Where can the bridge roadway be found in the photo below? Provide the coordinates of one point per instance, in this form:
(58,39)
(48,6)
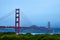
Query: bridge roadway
(25,27)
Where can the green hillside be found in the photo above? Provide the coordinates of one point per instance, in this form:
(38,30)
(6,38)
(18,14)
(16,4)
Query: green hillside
(28,36)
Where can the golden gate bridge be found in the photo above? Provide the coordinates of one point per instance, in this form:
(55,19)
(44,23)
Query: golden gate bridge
(17,23)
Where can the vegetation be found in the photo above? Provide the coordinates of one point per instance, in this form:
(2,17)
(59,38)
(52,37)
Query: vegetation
(28,36)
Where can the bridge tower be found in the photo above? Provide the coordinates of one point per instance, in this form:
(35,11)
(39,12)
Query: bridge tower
(49,26)
(17,21)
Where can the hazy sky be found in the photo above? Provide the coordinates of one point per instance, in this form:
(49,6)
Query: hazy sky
(34,12)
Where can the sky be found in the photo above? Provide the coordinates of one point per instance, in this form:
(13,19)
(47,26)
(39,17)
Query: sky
(33,12)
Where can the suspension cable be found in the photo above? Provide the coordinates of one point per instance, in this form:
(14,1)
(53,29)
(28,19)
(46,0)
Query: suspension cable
(7,15)
(25,18)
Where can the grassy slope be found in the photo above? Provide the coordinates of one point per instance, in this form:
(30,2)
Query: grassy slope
(28,36)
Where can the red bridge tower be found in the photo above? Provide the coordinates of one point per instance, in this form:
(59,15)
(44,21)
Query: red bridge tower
(17,21)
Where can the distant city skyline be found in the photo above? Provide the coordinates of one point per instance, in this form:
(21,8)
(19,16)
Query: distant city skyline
(37,12)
